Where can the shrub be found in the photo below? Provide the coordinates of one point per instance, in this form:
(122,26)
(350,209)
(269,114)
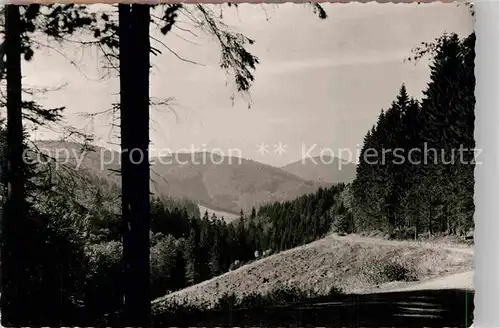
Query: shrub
(104,280)
(393,269)
(396,271)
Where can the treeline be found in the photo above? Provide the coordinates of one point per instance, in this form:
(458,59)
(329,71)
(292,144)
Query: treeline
(303,220)
(416,168)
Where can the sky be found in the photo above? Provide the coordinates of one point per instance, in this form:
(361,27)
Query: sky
(319,87)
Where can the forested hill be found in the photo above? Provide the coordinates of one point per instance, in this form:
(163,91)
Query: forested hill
(431,189)
(416,171)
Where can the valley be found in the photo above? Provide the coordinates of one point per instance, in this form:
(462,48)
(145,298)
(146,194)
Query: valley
(222,185)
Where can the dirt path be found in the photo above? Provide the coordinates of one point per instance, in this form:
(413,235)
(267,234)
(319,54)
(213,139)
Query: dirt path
(455,281)
(463,280)
(409,243)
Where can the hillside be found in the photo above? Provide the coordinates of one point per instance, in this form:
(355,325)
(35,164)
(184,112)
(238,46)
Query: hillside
(225,184)
(323,168)
(353,264)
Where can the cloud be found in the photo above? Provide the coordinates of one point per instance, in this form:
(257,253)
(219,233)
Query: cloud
(319,63)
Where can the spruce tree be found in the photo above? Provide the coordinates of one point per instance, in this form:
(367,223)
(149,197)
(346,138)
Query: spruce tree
(191,259)
(215,258)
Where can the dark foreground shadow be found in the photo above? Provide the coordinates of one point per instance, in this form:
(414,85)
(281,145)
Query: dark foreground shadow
(428,308)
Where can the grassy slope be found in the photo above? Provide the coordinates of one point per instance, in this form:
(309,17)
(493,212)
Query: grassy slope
(354,264)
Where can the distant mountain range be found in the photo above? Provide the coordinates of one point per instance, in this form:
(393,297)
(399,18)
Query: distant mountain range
(221,184)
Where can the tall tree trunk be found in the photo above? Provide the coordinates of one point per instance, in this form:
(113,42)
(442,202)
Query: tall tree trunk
(416,226)
(446,224)
(134,100)
(14,212)
(429,210)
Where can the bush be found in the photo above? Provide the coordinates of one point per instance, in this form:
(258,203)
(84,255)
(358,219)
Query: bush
(167,266)
(396,271)
(393,269)
(104,285)
(226,303)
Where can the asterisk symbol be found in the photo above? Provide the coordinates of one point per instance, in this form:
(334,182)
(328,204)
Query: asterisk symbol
(280,148)
(262,148)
